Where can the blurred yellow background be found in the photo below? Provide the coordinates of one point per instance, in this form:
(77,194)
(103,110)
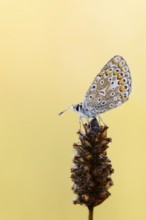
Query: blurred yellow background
(50,51)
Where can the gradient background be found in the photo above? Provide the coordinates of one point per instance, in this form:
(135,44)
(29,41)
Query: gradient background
(49,53)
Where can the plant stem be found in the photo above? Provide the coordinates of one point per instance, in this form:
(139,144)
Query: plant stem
(90,213)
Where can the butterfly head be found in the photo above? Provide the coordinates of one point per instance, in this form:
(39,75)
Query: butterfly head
(78,108)
(83,113)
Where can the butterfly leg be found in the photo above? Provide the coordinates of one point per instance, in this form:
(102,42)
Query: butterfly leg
(81,122)
(100,120)
(88,120)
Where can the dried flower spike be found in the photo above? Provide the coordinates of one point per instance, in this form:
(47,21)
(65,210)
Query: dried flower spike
(92,169)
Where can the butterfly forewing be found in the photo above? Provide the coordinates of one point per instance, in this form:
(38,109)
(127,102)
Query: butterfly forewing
(110,88)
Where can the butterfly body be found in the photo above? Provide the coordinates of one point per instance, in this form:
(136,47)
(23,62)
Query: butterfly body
(84,113)
(110,89)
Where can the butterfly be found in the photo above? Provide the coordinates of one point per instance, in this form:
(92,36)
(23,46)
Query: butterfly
(110,89)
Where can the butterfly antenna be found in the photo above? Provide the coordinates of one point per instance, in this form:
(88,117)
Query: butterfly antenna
(61,113)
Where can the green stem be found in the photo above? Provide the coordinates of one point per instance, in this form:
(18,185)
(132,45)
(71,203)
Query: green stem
(90,213)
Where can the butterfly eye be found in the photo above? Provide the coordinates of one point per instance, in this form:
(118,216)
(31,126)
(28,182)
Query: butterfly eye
(77,108)
(101,82)
(125,68)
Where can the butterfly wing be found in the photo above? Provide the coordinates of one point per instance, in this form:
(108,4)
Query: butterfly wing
(110,88)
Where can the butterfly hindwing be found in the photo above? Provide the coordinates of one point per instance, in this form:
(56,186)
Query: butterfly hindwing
(110,88)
